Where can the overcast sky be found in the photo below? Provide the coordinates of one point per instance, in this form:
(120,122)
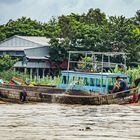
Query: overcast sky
(43,10)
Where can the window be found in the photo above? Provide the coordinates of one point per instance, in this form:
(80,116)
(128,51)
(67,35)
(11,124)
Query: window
(1,53)
(19,53)
(86,81)
(64,80)
(92,81)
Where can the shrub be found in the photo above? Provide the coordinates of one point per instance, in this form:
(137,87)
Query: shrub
(7,75)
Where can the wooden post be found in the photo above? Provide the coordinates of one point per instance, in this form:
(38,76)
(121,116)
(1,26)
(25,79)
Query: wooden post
(124,56)
(108,61)
(43,73)
(37,72)
(102,63)
(25,70)
(101,82)
(31,73)
(92,61)
(68,62)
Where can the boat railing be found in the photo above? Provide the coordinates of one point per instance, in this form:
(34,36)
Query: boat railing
(99,63)
(102,63)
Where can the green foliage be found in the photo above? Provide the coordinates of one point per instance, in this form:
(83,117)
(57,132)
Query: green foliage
(7,75)
(46,81)
(95,17)
(118,69)
(134,73)
(85,64)
(137,18)
(89,31)
(23,26)
(6,63)
(58,50)
(93,31)
(51,29)
(27,27)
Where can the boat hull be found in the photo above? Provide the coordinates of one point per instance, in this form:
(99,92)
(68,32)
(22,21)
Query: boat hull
(55,95)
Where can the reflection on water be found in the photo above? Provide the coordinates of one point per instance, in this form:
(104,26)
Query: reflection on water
(69,122)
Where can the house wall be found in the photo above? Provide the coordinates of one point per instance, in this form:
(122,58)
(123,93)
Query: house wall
(37,52)
(32,65)
(12,53)
(16,46)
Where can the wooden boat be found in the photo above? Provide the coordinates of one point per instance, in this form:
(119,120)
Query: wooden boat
(75,88)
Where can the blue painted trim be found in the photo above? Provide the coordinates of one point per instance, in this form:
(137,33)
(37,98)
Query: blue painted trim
(101,81)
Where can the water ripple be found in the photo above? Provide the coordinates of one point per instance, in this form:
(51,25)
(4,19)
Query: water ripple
(66,122)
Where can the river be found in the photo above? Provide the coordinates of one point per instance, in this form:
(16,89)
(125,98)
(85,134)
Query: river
(44,121)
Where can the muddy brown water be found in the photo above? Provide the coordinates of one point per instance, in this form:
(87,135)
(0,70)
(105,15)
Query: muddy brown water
(44,121)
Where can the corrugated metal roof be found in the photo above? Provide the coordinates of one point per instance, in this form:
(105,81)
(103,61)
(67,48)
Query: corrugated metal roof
(14,48)
(24,42)
(39,40)
(33,57)
(18,48)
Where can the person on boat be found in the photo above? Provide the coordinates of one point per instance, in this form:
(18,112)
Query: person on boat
(23,95)
(120,85)
(135,88)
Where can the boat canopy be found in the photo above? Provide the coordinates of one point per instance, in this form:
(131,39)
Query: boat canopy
(94,82)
